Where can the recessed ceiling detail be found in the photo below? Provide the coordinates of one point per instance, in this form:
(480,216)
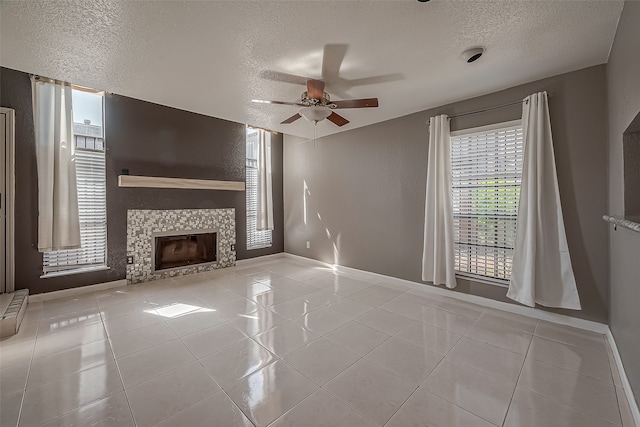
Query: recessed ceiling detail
(213,58)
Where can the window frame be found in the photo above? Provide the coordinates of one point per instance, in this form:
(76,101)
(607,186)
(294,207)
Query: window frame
(86,268)
(253,231)
(479,130)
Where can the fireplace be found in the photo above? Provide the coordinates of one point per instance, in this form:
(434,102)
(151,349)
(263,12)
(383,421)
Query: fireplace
(173,250)
(144,225)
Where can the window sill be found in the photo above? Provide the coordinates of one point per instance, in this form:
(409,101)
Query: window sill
(484,280)
(259,247)
(75,271)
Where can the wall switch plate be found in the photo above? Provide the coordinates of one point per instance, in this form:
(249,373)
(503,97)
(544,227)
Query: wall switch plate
(130,259)
(308,245)
(233,248)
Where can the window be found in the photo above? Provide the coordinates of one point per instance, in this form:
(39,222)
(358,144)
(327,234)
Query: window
(255,238)
(486,173)
(88,132)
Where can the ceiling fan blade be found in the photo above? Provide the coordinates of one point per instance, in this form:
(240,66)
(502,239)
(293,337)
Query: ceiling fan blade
(356,103)
(385,78)
(279,76)
(264,101)
(291,119)
(332,61)
(315,89)
(338,119)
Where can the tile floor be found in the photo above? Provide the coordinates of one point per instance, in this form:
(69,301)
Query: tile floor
(288,344)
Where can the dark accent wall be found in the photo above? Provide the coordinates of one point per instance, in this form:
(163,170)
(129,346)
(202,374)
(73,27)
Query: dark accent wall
(365,188)
(148,139)
(623,84)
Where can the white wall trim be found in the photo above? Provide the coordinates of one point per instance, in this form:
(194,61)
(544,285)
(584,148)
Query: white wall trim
(512,308)
(388,280)
(626,386)
(10,183)
(309,261)
(65,293)
(258,260)
(499,305)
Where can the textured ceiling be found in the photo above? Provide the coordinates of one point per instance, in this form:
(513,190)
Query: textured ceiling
(214,57)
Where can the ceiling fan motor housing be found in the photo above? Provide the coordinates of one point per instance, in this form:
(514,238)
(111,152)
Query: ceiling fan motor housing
(326,100)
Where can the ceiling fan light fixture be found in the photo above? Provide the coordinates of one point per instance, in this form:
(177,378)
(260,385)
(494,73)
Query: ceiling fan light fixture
(315,113)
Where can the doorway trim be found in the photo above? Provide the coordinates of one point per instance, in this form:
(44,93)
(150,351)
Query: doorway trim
(10,197)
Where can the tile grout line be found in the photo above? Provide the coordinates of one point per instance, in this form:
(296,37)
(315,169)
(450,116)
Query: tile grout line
(395,375)
(613,381)
(87,403)
(504,419)
(360,357)
(433,370)
(203,367)
(468,366)
(564,404)
(177,284)
(321,387)
(124,389)
(26,380)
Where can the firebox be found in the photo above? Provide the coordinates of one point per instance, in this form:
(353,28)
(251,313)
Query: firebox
(171,250)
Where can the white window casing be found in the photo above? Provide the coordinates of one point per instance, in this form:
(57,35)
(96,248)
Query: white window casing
(90,163)
(486,174)
(256,239)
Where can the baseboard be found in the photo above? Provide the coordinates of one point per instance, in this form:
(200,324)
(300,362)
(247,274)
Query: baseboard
(66,293)
(635,411)
(499,305)
(258,260)
(310,261)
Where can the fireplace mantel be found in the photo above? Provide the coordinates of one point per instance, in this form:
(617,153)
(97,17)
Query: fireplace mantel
(180,183)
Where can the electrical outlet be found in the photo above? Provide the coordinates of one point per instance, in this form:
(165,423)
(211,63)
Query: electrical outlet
(308,245)
(130,259)
(233,248)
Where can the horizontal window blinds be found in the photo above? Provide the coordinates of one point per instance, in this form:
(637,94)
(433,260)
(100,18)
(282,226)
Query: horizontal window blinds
(92,205)
(486,175)
(255,238)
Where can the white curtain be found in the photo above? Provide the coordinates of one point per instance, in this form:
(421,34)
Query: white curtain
(264,219)
(438,254)
(542,270)
(58,220)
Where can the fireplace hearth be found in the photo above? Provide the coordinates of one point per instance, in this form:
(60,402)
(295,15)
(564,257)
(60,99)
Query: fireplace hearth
(183,250)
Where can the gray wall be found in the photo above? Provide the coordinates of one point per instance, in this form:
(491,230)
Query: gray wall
(365,188)
(623,83)
(148,139)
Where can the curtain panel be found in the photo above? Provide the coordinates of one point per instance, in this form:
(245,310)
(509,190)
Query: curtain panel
(438,253)
(264,217)
(542,272)
(58,219)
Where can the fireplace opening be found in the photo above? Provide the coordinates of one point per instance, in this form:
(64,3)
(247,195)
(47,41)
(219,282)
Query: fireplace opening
(185,250)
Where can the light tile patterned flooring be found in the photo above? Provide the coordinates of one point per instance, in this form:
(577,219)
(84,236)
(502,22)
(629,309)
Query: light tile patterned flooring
(287,344)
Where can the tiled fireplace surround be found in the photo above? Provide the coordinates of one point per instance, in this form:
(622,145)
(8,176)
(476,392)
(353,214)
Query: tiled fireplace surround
(143,223)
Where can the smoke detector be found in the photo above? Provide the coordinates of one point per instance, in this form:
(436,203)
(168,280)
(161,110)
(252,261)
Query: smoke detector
(473,54)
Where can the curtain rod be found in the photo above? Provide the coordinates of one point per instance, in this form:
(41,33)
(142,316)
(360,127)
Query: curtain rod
(62,82)
(491,108)
(264,129)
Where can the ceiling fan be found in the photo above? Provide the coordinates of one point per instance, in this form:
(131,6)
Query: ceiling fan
(317,105)
(315,102)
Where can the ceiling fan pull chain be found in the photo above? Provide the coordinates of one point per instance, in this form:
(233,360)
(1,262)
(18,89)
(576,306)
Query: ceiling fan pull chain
(315,135)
